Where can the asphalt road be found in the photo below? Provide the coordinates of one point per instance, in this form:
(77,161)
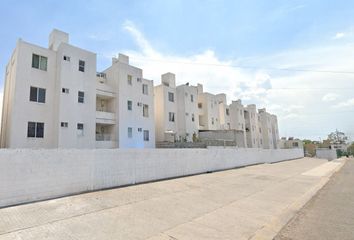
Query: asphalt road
(329,214)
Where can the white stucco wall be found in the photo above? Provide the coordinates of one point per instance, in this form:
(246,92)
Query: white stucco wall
(29,175)
(326,153)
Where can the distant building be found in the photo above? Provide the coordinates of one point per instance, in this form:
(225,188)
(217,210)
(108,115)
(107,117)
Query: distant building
(166,109)
(187,112)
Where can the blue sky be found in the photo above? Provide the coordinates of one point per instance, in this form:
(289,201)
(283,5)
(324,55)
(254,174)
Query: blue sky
(160,35)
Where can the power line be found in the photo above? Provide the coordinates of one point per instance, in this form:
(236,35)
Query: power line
(245,66)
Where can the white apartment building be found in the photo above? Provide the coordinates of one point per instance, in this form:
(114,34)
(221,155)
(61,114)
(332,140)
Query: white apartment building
(187,112)
(166,124)
(212,110)
(53,99)
(253,127)
(236,114)
(125,119)
(49,96)
(270,134)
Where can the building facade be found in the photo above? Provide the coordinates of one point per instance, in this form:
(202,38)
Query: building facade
(55,98)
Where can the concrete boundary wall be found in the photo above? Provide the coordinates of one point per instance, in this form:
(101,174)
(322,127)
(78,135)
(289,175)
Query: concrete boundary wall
(30,175)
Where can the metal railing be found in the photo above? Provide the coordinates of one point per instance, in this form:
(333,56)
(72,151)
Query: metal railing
(103,137)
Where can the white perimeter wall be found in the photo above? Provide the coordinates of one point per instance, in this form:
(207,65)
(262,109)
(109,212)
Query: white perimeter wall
(29,175)
(329,154)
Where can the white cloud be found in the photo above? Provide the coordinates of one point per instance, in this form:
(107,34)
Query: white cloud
(339,35)
(330,97)
(289,94)
(345,104)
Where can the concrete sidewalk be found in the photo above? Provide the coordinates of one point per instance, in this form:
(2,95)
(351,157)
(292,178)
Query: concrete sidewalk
(252,202)
(329,214)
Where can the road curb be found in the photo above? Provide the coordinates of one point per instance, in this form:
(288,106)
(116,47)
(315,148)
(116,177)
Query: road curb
(271,229)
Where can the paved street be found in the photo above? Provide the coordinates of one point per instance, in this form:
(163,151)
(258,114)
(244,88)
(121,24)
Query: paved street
(330,214)
(247,203)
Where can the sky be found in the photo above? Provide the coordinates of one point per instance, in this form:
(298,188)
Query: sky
(295,58)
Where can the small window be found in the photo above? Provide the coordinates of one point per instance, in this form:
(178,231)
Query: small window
(212,121)
(80,129)
(130,132)
(81,66)
(81,97)
(67,58)
(171,116)
(145,110)
(37,94)
(260,130)
(130,80)
(35,130)
(146,135)
(140,129)
(130,105)
(145,89)
(171,97)
(192,98)
(200,105)
(138,80)
(64,124)
(39,62)
(187,114)
(65,90)
(227,111)
(192,117)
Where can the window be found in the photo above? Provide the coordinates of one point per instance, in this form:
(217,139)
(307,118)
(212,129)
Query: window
(145,89)
(192,98)
(192,117)
(81,97)
(146,135)
(145,110)
(200,105)
(39,62)
(35,130)
(64,124)
(171,97)
(260,130)
(187,114)
(67,58)
(130,105)
(130,132)
(81,66)
(37,95)
(227,111)
(212,121)
(171,116)
(65,90)
(138,79)
(80,129)
(140,129)
(130,80)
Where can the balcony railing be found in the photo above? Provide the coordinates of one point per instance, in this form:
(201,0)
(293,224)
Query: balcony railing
(103,137)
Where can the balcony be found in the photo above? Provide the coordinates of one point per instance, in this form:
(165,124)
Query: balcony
(105,117)
(103,88)
(105,137)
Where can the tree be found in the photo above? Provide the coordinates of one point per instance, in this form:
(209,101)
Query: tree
(337,137)
(351,149)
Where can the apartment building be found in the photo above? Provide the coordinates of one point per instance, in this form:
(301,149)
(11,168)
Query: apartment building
(212,110)
(49,96)
(253,127)
(166,124)
(236,112)
(269,125)
(124,107)
(54,98)
(187,112)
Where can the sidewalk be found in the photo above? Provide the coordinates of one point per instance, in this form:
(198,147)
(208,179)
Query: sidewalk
(252,202)
(330,214)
